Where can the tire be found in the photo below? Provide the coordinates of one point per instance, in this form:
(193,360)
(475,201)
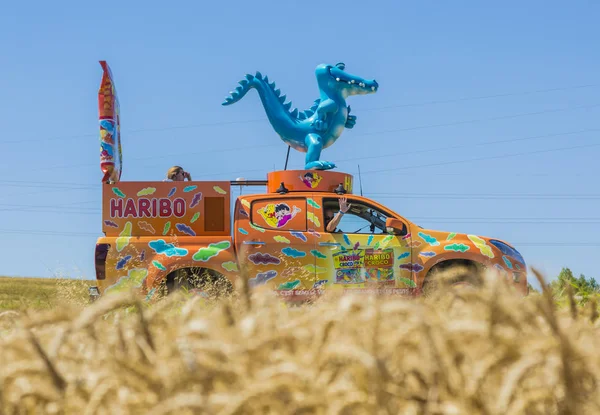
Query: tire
(452,275)
(199,281)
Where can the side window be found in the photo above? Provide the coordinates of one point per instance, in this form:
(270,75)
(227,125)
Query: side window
(284,214)
(361,218)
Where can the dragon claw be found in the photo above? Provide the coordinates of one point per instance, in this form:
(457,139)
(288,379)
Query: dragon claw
(319,125)
(319,165)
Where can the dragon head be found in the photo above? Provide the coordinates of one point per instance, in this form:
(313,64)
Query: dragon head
(336,78)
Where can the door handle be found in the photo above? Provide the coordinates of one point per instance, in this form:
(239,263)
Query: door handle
(253,243)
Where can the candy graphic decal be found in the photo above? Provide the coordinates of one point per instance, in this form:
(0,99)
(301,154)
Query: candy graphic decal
(315,233)
(518,266)
(428,254)
(172,192)
(356,246)
(311,180)
(167,227)
(429,239)
(386,240)
(263,259)
(195,217)
(124,237)
(347,239)
(159,265)
(243,231)
(410,283)
(143,255)
(412,267)
(204,254)
(500,269)
(299,235)
(369,240)
(281,239)
(145,226)
(118,192)
(483,248)
(278,215)
(294,253)
(262,278)
(318,254)
(451,236)
(230,266)
(313,218)
(190,188)
(404,255)
(376,246)
(182,227)
(196,199)
(245,203)
(413,244)
(313,203)
(507,262)
(243,213)
(163,248)
(457,247)
(407,236)
(290,285)
(320,283)
(257,228)
(317,270)
(219,190)
(121,263)
(134,279)
(146,191)
(111,224)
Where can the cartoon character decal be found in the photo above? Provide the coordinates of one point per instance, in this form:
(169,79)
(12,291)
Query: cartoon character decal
(311,180)
(278,215)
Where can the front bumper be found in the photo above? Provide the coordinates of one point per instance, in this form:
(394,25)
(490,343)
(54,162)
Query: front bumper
(94,293)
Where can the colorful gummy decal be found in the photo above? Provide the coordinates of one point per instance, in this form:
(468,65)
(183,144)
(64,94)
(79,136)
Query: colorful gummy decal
(219,190)
(370,240)
(281,239)
(196,199)
(204,254)
(172,192)
(111,224)
(299,235)
(407,282)
(317,270)
(118,192)
(262,278)
(121,263)
(311,179)
(244,213)
(159,265)
(134,279)
(263,259)
(195,217)
(356,246)
(429,239)
(243,231)
(386,240)
(428,254)
(167,227)
(188,189)
(320,283)
(161,247)
(376,246)
(246,203)
(451,236)
(318,254)
(313,218)
(407,236)
(414,244)
(412,267)
(145,226)
(315,233)
(457,247)
(507,262)
(257,228)
(483,248)
(146,191)
(230,266)
(518,266)
(182,227)
(143,255)
(290,285)
(404,255)
(347,239)
(278,215)
(124,237)
(294,253)
(313,203)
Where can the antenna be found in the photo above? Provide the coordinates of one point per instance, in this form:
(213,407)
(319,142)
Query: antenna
(287,158)
(360,180)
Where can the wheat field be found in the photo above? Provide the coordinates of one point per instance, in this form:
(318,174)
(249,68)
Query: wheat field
(483,351)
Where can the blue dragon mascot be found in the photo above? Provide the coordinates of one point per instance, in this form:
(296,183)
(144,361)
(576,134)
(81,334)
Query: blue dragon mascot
(318,127)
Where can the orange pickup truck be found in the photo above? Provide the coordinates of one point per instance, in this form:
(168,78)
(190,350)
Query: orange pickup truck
(162,235)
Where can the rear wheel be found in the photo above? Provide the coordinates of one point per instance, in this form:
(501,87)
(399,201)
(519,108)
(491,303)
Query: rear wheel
(198,281)
(452,275)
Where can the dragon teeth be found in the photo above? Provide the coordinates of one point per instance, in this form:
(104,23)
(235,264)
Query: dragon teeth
(337,79)
(372,88)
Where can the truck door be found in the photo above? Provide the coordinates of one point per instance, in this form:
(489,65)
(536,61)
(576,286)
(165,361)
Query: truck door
(360,254)
(274,245)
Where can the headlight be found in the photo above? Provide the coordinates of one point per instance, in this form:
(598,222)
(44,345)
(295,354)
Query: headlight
(508,250)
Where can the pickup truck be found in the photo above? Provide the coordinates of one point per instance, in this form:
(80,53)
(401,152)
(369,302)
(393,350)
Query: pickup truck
(161,236)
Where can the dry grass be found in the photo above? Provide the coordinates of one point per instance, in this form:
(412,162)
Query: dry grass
(41,293)
(468,352)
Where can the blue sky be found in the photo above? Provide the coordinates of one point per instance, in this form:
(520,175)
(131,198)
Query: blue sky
(489,109)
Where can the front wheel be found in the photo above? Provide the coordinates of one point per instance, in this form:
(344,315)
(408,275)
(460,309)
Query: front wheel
(204,282)
(452,276)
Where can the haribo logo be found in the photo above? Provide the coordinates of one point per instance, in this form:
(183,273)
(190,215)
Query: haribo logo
(147,208)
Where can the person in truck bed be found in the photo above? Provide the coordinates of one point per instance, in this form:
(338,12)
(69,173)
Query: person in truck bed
(332,220)
(178,174)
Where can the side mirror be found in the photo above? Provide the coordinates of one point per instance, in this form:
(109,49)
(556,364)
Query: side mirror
(395,226)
